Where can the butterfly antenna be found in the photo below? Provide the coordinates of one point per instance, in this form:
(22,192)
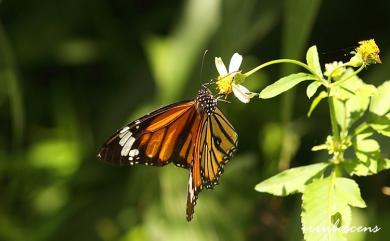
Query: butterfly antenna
(212,81)
(201,67)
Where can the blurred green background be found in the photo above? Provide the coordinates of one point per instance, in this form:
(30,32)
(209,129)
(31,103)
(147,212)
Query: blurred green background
(72,72)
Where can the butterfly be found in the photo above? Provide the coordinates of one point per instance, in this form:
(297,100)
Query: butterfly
(192,134)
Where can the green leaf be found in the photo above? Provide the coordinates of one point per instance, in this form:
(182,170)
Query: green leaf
(380,103)
(349,190)
(367,152)
(358,104)
(341,114)
(323,210)
(380,124)
(366,91)
(368,159)
(362,144)
(367,167)
(290,181)
(312,88)
(320,147)
(379,115)
(313,61)
(326,207)
(368,145)
(284,84)
(316,101)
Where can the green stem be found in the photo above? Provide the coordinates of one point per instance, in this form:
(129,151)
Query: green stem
(338,155)
(333,120)
(279,61)
(349,76)
(335,127)
(338,171)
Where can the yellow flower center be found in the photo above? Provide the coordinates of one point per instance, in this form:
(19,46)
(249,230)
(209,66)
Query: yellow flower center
(224,84)
(369,51)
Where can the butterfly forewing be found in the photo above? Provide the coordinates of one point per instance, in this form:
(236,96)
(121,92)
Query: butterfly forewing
(153,139)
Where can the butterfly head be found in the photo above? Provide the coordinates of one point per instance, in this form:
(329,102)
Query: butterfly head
(205,101)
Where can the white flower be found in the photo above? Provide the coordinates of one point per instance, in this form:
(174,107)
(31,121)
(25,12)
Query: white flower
(242,93)
(334,69)
(225,82)
(234,65)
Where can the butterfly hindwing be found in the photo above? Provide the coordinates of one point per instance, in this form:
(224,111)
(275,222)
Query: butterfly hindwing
(215,145)
(220,141)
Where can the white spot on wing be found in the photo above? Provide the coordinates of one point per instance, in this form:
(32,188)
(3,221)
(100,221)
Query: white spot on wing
(126,148)
(126,128)
(125,136)
(190,187)
(133,152)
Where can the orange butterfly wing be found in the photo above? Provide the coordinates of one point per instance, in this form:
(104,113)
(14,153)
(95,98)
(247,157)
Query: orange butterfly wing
(155,139)
(216,141)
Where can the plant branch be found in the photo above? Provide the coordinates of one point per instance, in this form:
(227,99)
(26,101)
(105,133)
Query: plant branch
(356,72)
(335,127)
(279,61)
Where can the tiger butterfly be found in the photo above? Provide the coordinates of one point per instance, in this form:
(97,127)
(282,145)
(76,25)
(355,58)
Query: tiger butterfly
(193,134)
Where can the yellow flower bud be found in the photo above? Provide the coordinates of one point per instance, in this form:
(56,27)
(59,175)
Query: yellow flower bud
(369,52)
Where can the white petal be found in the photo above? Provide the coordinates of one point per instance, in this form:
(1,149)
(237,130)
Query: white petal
(235,63)
(220,66)
(242,93)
